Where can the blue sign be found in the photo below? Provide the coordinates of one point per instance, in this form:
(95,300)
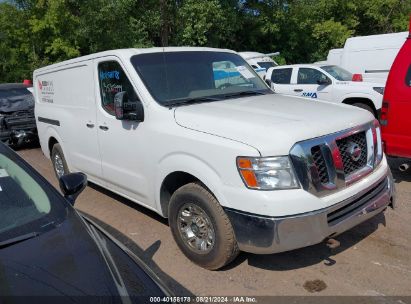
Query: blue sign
(110,75)
(310,94)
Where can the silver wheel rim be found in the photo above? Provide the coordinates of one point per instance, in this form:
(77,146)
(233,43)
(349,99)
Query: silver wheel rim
(58,165)
(196,228)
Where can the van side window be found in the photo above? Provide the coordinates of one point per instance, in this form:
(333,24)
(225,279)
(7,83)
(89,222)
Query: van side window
(408,77)
(113,80)
(281,76)
(309,76)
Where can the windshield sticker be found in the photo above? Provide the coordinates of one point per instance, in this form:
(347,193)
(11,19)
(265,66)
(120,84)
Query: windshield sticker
(245,72)
(110,75)
(310,94)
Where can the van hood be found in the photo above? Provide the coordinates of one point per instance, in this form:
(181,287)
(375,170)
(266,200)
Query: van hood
(271,123)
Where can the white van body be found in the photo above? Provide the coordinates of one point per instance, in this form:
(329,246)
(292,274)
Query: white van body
(334,56)
(371,56)
(199,145)
(259,61)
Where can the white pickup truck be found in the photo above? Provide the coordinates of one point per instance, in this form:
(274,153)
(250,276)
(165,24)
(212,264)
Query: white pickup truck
(326,82)
(195,135)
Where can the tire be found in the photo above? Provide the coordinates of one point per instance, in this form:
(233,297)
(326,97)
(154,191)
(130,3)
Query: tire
(224,248)
(59,161)
(365,107)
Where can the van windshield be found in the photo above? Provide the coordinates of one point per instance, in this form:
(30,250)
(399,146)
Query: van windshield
(175,78)
(337,72)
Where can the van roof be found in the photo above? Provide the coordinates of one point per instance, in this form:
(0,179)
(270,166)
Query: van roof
(393,40)
(124,53)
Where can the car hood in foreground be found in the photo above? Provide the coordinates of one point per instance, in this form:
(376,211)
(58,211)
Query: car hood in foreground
(74,259)
(272,123)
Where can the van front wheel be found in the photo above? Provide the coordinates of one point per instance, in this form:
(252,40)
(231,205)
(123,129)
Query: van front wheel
(58,161)
(201,228)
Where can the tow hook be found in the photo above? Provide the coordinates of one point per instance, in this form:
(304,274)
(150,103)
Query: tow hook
(332,243)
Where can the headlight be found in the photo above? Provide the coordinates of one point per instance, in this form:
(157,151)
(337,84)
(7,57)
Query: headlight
(378,152)
(379,90)
(267,173)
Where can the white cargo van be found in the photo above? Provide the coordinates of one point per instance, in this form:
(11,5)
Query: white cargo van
(195,135)
(371,56)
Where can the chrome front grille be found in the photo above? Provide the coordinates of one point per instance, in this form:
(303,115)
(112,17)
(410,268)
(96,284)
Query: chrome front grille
(319,162)
(330,163)
(345,145)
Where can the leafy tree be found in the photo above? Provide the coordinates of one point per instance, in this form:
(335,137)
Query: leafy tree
(35,33)
(204,23)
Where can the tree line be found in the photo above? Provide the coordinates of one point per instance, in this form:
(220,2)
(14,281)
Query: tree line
(35,33)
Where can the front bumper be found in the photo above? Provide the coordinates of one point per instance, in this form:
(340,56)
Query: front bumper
(265,235)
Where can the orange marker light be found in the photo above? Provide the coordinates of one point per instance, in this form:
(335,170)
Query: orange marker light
(249,178)
(244,163)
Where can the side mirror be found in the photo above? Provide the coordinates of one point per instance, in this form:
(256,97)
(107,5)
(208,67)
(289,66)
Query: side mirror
(268,81)
(325,81)
(126,110)
(72,185)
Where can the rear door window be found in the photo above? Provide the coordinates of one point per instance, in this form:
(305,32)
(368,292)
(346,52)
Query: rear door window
(281,76)
(408,77)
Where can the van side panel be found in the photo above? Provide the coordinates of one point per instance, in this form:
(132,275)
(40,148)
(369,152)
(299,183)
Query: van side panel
(65,105)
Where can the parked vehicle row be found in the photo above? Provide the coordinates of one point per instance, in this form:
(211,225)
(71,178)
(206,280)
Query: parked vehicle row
(197,136)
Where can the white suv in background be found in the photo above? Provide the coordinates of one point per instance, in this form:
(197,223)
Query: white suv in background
(325,82)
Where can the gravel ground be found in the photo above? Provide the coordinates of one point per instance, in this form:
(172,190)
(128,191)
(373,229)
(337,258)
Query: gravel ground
(374,258)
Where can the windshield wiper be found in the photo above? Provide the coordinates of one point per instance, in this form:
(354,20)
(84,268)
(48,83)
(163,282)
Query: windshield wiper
(18,239)
(189,101)
(245,93)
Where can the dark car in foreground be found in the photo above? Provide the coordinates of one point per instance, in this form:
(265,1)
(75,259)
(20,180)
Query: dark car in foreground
(17,121)
(48,250)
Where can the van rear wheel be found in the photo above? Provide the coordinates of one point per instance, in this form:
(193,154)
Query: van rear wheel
(59,162)
(201,228)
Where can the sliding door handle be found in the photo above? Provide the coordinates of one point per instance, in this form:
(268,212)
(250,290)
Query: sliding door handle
(104,128)
(298,90)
